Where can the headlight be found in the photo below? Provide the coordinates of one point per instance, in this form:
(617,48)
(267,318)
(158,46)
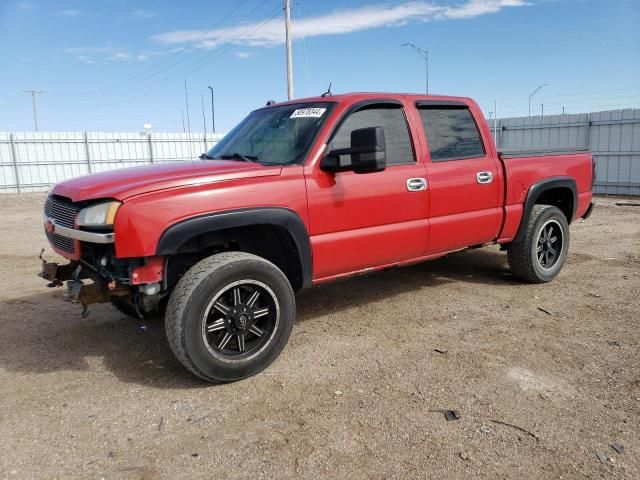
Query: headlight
(100,215)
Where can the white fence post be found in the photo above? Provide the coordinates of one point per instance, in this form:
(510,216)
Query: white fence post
(87,151)
(14,158)
(150,147)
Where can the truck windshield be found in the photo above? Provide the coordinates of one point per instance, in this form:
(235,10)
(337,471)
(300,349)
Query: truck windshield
(277,135)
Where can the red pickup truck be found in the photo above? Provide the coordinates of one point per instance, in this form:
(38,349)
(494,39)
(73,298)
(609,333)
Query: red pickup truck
(300,193)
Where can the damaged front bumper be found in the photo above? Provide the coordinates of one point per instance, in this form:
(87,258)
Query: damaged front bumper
(77,291)
(142,296)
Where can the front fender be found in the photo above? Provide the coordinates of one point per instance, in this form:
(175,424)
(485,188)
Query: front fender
(178,234)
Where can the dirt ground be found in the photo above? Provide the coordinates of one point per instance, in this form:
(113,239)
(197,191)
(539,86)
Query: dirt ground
(356,393)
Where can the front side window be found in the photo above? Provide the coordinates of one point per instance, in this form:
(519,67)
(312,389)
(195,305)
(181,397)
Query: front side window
(451,132)
(277,135)
(388,116)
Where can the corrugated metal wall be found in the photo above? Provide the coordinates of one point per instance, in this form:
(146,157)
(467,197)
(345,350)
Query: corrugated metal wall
(612,136)
(31,162)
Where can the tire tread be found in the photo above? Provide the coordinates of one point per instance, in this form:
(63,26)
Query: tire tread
(182,297)
(519,253)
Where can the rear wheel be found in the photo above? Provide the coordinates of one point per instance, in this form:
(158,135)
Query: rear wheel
(230,316)
(540,254)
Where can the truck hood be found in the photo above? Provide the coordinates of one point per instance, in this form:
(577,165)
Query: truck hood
(127,182)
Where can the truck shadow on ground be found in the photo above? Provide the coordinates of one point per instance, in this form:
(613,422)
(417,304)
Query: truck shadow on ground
(40,334)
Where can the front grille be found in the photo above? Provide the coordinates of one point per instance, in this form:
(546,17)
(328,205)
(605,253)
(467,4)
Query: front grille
(64,212)
(62,243)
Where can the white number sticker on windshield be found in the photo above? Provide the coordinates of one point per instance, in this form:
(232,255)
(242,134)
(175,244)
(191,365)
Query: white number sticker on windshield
(308,113)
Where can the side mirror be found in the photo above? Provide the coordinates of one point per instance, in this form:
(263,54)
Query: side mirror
(368,153)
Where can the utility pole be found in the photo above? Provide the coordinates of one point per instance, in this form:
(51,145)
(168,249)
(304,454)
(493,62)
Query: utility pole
(287,27)
(33,100)
(184,129)
(491,118)
(532,94)
(542,111)
(204,119)
(495,121)
(186,102)
(213,114)
(424,54)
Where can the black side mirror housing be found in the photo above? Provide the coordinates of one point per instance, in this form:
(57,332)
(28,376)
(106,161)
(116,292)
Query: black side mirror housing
(368,153)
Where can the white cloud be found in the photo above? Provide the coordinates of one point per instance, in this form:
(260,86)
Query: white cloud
(143,13)
(86,59)
(109,52)
(242,54)
(70,13)
(271,32)
(82,50)
(120,56)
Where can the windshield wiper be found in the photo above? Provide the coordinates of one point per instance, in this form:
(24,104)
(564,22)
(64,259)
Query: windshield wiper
(238,156)
(204,155)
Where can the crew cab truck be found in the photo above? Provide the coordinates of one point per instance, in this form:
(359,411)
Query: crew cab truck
(301,193)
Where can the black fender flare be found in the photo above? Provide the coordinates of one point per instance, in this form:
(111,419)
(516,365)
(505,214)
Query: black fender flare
(538,189)
(177,234)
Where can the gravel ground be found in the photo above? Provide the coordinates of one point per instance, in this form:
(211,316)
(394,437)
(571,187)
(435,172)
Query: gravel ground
(357,392)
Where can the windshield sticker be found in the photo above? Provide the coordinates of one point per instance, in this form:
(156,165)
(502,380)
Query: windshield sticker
(308,113)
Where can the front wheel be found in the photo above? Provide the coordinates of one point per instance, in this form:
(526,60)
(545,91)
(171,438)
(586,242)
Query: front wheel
(541,252)
(230,316)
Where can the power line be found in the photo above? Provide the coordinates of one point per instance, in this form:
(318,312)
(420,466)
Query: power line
(305,55)
(518,100)
(153,70)
(178,76)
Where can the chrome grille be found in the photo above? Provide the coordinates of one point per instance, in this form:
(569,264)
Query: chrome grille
(64,213)
(61,243)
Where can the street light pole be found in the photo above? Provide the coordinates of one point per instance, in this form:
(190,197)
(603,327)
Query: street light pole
(532,94)
(213,113)
(424,54)
(33,100)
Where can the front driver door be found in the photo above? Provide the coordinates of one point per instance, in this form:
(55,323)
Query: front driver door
(360,221)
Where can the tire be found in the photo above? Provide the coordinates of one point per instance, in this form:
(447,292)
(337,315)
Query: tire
(205,308)
(524,255)
(126,308)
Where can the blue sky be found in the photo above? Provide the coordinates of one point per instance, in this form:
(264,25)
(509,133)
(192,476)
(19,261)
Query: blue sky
(112,65)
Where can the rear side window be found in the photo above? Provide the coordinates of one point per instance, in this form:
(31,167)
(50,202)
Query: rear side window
(451,132)
(396,134)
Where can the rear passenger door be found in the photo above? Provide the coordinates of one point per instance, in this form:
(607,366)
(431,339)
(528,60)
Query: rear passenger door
(360,221)
(464,178)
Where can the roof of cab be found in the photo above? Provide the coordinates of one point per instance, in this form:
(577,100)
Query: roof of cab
(357,96)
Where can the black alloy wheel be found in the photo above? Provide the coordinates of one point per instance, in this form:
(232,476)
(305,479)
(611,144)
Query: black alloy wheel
(240,320)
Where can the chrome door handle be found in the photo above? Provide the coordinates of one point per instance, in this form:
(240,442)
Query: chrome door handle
(484,177)
(416,184)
